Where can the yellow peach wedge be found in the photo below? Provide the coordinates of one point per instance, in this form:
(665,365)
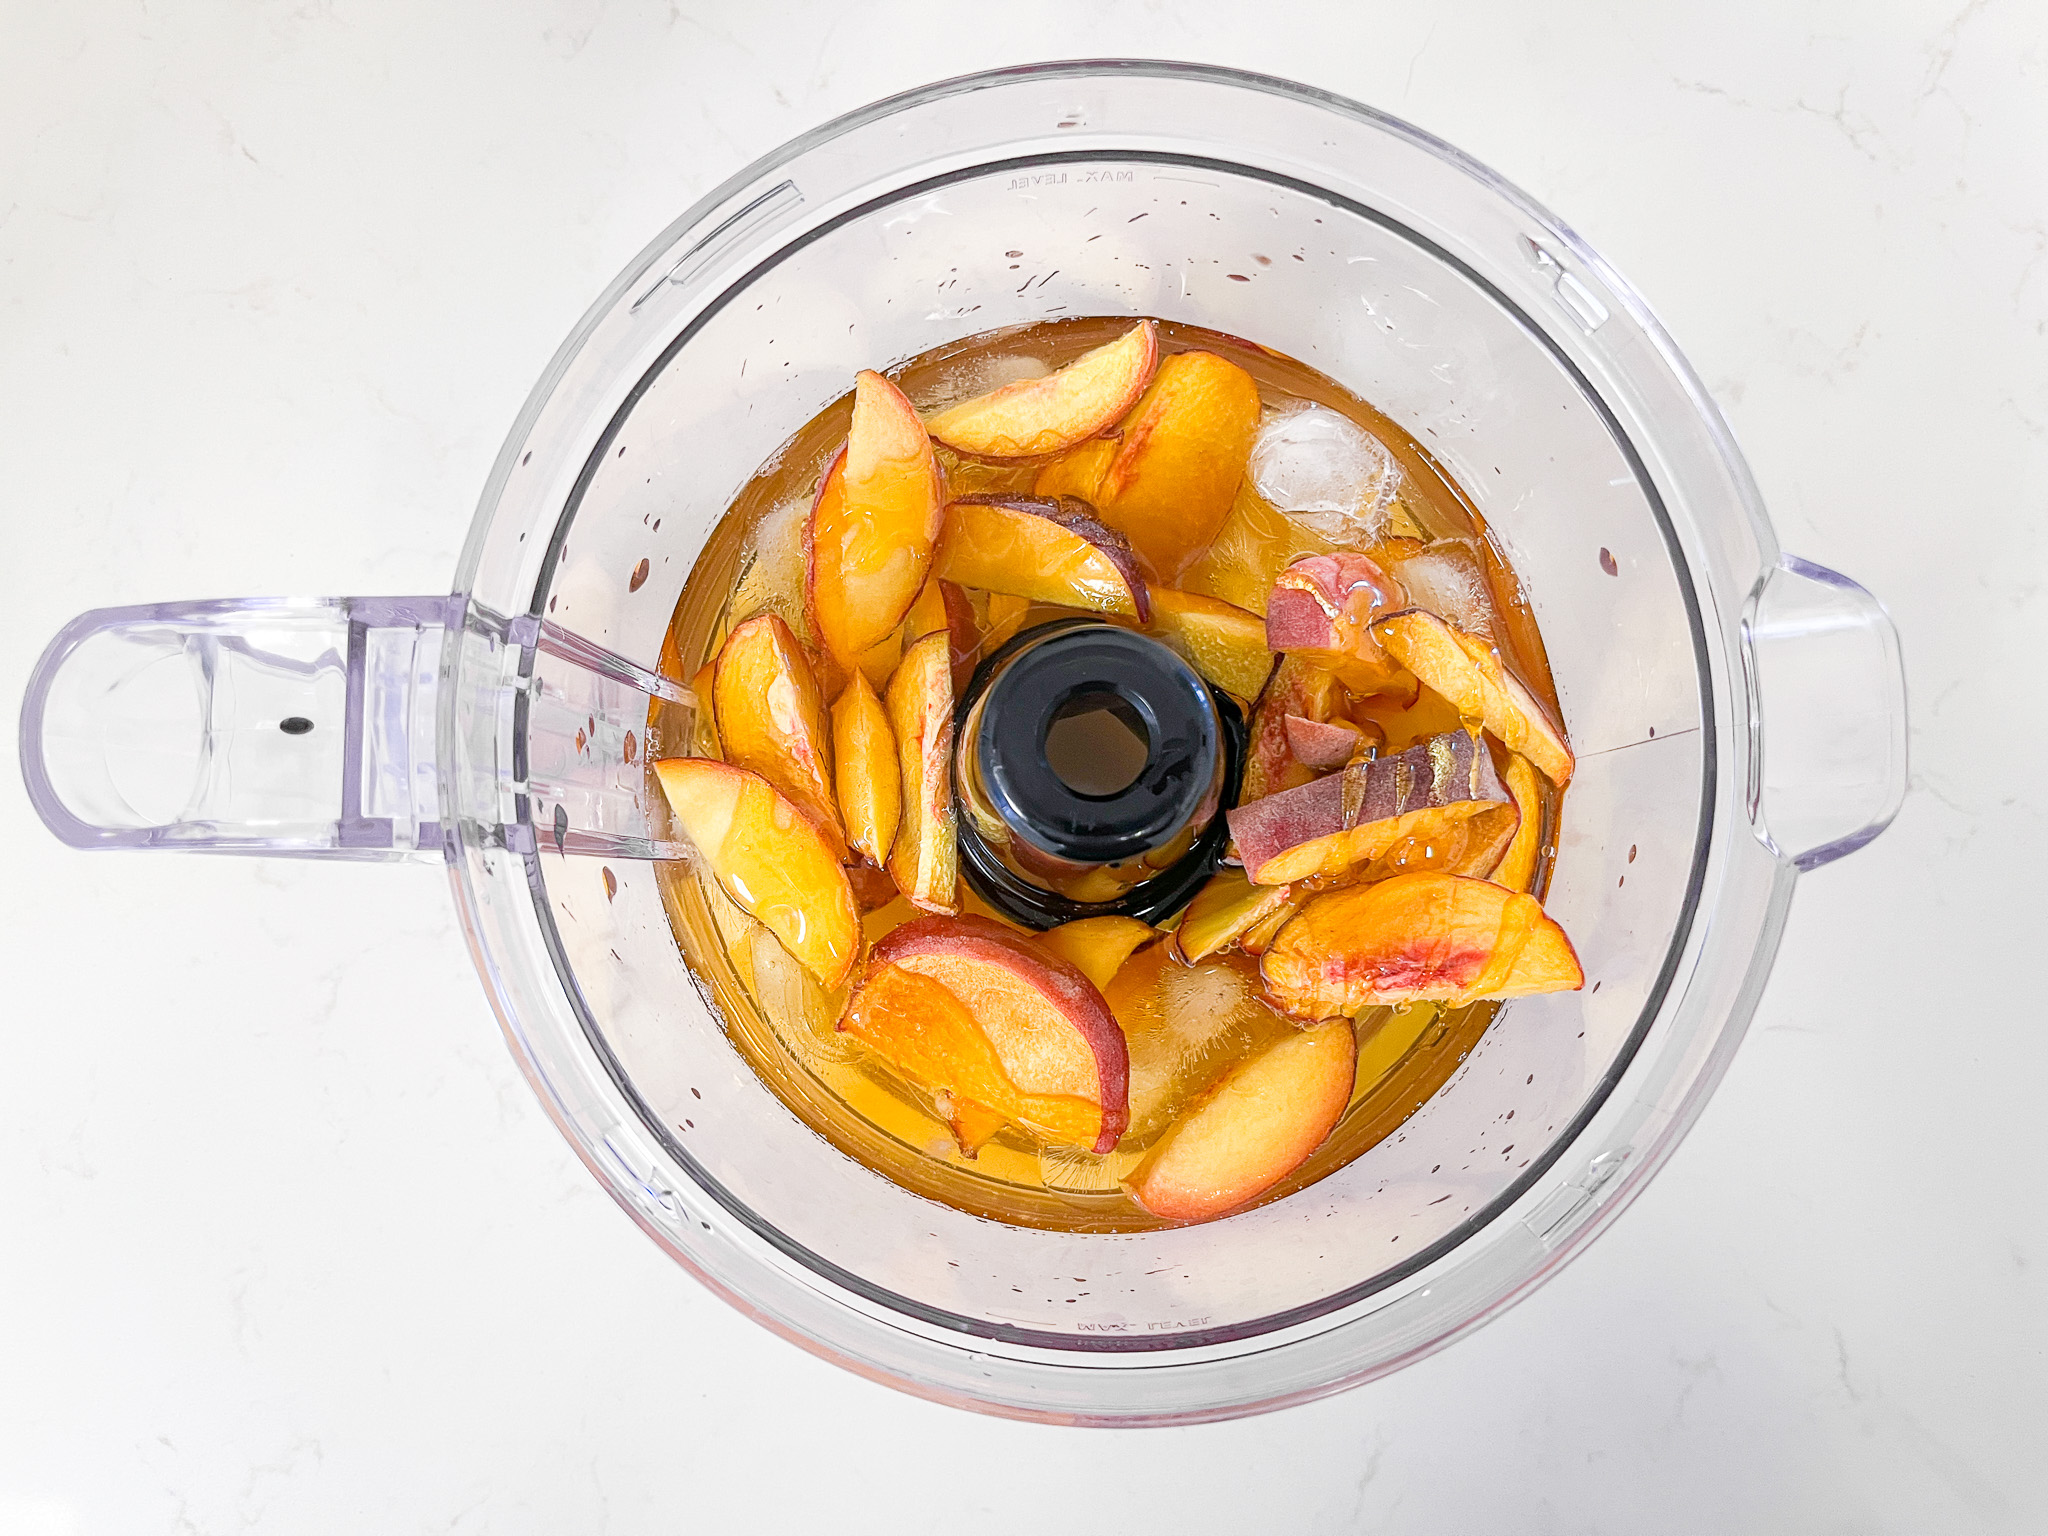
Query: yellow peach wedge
(1252,1129)
(1468,673)
(1223,911)
(1224,643)
(925,860)
(1340,824)
(1050,550)
(771,858)
(869,775)
(1517,867)
(868,544)
(1035,417)
(1097,947)
(771,716)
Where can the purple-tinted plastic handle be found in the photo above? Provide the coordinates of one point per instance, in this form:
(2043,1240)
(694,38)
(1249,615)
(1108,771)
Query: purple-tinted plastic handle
(253,721)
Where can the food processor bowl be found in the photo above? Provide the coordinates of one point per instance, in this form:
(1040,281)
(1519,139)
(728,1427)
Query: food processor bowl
(1738,716)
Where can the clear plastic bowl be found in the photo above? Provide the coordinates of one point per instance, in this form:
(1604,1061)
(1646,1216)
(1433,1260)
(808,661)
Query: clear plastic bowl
(502,728)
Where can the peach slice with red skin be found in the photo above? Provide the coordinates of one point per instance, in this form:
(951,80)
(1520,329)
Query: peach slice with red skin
(1032,418)
(1171,474)
(868,544)
(1047,549)
(1224,643)
(1299,689)
(931,1037)
(1097,947)
(924,862)
(1321,609)
(1046,1024)
(1223,910)
(1446,938)
(872,887)
(1255,1126)
(1324,745)
(771,858)
(868,774)
(772,718)
(1340,823)
(1469,674)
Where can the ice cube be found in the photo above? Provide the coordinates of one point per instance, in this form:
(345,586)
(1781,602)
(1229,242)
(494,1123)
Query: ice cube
(969,378)
(1185,1029)
(1325,471)
(1447,578)
(801,1012)
(772,566)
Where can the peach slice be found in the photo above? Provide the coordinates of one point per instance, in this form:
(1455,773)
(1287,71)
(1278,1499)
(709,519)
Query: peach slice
(1046,1023)
(925,859)
(1469,674)
(771,858)
(1517,867)
(1258,938)
(1299,689)
(1324,745)
(1253,1128)
(1223,911)
(1179,457)
(1034,417)
(1097,947)
(1048,549)
(869,540)
(870,778)
(1224,643)
(932,1037)
(1471,846)
(1321,610)
(771,716)
(1447,938)
(1339,823)
(944,606)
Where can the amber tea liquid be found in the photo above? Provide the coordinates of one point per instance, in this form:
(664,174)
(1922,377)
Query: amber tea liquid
(1183,1024)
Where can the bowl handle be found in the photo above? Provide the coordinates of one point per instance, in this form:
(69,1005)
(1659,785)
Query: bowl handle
(1827,696)
(302,728)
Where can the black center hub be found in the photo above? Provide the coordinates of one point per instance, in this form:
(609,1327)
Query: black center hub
(1092,768)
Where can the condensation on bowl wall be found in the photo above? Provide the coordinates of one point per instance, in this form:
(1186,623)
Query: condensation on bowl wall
(503,728)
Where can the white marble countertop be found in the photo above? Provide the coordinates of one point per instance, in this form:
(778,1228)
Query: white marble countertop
(289,1246)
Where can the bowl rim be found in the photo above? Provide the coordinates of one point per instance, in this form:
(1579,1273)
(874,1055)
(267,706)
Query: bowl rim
(970,1332)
